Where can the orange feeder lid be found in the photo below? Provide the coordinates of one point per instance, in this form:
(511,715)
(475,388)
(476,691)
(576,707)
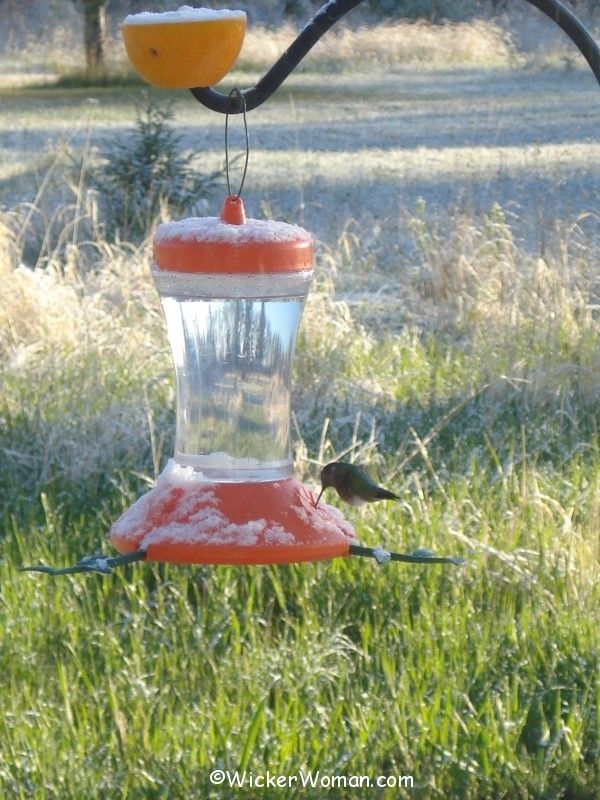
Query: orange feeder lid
(232,244)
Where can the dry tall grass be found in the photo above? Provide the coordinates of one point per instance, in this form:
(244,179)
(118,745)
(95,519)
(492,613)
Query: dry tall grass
(479,276)
(386,45)
(477,43)
(465,275)
(79,353)
(82,337)
(518,37)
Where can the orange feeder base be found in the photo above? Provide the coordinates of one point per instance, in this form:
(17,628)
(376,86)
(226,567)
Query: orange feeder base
(203,522)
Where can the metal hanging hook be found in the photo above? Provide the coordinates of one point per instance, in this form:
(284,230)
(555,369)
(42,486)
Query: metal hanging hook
(236,92)
(333,11)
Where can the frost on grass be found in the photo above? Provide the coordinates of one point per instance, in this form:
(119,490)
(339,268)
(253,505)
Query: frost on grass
(78,349)
(186,508)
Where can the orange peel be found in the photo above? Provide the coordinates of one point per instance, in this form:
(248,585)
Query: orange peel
(186,48)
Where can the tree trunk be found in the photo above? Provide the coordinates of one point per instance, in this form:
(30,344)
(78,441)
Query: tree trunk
(94,34)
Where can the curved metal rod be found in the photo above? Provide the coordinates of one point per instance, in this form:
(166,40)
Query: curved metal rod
(325,17)
(334,10)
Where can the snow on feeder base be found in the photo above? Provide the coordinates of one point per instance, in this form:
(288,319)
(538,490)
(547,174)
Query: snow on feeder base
(233,291)
(187,519)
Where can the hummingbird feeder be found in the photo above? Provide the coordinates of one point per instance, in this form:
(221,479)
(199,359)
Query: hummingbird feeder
(232,291)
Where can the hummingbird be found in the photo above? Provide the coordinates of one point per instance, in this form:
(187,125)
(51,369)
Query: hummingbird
(352,484)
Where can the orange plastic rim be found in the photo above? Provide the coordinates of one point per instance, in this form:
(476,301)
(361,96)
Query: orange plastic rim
(185,256)
(183,55)
(305,533)
(175,254)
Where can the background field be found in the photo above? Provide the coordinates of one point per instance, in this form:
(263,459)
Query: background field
(451,342)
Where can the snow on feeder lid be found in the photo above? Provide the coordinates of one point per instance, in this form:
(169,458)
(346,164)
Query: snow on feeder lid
(232,290)
(231,243)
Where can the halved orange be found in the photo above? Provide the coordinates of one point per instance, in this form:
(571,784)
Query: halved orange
(178,50)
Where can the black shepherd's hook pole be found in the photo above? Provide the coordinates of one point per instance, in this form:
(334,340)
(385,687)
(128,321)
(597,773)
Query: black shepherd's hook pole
(329,14)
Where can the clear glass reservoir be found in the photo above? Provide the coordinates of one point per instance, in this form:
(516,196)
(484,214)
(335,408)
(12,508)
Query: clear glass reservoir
(233,360)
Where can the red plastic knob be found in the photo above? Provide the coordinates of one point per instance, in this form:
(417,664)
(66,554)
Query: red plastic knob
(233,211)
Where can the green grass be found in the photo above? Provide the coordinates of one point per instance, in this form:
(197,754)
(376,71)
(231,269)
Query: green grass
(481,682)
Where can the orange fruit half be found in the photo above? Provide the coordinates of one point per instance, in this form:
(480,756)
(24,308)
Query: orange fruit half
(191,47)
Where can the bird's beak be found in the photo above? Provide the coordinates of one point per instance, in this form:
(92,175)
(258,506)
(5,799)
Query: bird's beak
(319,497)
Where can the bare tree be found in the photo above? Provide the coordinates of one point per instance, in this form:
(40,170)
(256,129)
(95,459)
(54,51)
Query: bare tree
(94,33)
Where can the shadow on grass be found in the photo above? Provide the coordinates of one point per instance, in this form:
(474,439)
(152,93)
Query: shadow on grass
(80,79)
